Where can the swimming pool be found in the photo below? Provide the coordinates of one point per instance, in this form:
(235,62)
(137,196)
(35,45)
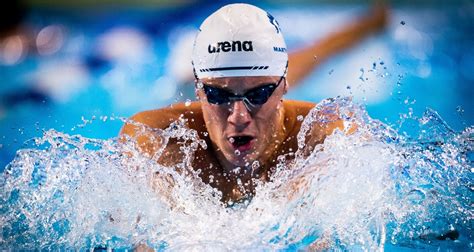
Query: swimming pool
(83,79)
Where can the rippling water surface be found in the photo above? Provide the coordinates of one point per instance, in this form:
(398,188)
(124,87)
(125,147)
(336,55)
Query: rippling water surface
(376,188)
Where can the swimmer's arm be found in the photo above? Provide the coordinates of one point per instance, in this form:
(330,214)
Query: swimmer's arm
(302,62)
(138,129)
(331,122)
(144,128)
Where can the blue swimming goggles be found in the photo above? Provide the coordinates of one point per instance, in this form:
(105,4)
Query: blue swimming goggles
(252,98)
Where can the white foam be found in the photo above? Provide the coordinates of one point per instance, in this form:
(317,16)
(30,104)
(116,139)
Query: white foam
(357,191)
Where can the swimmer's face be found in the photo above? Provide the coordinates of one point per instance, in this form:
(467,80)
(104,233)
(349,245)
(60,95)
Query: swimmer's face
(241,131)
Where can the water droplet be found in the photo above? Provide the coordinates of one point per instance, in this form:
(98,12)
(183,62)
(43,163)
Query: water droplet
(331,71)
(416,196)
(348,87)
(300,118)
(187,103)
(231,140)
(237,152)
(402,22)
(199,85)
(361,77)
(236,170)
(255,165)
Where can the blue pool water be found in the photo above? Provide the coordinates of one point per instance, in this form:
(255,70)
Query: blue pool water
(416,78)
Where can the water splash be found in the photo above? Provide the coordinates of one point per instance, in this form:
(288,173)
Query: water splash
(364,190)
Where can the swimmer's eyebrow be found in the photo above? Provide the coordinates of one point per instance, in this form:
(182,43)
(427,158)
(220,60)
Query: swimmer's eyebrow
(214,85)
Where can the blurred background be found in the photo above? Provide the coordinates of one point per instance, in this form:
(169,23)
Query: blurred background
(77,66)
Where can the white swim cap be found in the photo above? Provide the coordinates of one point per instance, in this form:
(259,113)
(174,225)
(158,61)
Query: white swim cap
(239,40)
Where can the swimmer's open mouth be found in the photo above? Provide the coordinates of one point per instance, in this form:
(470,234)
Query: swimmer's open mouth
(241,143)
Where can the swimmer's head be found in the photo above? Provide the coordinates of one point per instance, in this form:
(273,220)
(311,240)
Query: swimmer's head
(239,40)
(240,61)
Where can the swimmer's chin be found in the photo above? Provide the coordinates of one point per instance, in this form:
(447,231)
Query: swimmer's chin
(242,159)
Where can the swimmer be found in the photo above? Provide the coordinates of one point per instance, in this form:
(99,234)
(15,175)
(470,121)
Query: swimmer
(240,62)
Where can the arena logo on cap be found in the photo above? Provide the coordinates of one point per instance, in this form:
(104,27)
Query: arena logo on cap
(234,46)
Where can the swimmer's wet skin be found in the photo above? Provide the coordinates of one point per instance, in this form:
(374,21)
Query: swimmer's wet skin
(240,65)
(240,112)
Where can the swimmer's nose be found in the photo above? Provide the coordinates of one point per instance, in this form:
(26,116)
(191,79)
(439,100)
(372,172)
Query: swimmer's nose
(239,115)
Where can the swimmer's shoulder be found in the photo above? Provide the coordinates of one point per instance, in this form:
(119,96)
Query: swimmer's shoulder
(163,117)
(295,108)
(294,112)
